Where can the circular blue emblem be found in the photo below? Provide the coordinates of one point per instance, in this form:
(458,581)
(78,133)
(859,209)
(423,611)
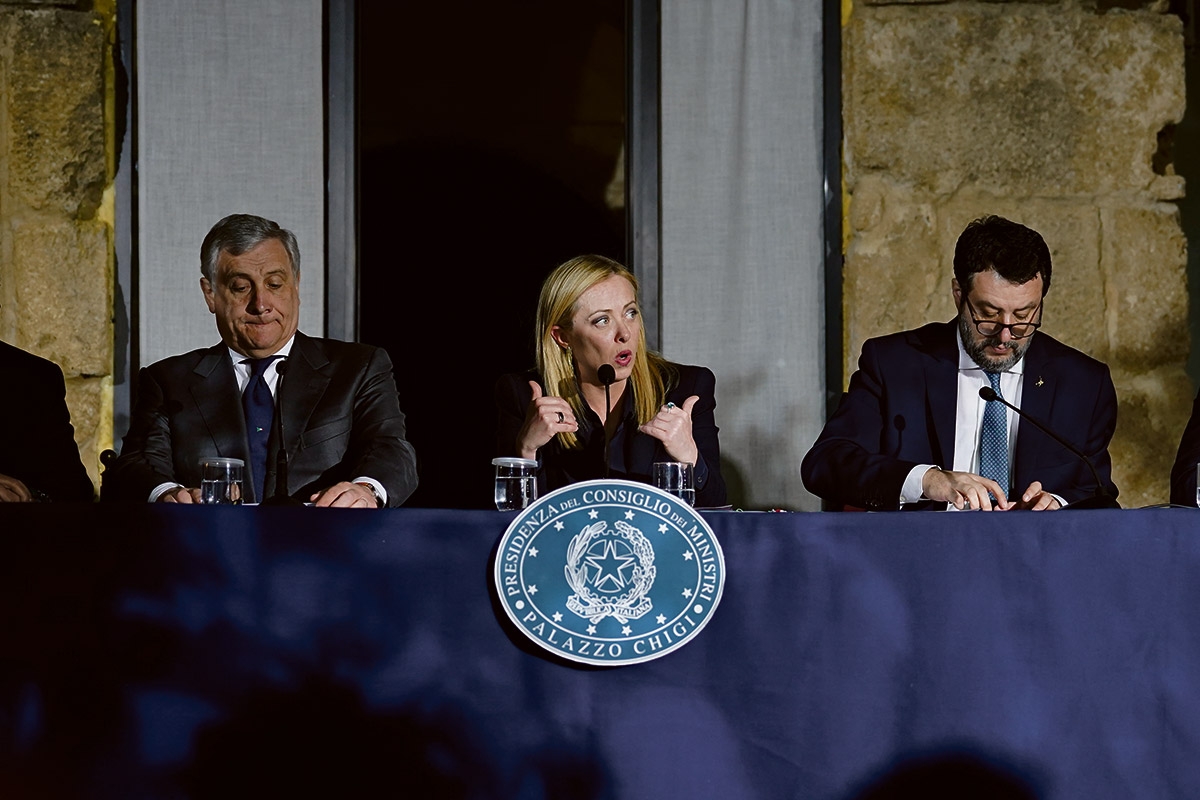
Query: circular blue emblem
(609,572)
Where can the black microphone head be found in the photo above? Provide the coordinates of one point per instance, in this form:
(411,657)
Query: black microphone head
(281,367)
(988,393)
(606,374)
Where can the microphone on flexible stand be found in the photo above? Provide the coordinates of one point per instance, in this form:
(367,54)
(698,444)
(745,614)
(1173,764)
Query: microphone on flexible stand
(280,497)
(607,375)
(1101,499)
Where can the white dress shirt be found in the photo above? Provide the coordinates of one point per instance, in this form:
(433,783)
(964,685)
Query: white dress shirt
(270,374)
(968,421)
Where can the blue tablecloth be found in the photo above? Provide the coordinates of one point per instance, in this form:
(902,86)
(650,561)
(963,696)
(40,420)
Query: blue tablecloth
(188,652)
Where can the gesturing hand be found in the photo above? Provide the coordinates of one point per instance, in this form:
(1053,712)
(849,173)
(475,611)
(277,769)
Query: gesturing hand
(672,426)
(544,417)
(13,490)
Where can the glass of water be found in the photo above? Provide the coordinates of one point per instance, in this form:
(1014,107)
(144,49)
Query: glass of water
(516,483)
(221,481)
(677,478)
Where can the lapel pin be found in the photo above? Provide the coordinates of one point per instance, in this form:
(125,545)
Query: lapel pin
(1039,381)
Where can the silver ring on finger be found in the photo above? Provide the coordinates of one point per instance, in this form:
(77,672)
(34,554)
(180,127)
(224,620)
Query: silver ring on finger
(561,418)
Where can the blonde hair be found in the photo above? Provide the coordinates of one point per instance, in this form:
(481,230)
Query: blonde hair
(652,375)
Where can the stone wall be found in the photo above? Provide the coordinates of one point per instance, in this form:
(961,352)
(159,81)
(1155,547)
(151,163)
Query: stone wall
(56,204)
(1058,115)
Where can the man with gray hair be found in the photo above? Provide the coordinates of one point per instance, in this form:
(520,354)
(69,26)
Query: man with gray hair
(343,436)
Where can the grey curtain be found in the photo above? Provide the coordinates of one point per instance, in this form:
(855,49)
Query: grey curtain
(742,280)
(230,120)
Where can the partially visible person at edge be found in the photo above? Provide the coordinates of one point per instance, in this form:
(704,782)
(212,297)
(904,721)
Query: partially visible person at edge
(343,430)
(587,317)
(913,432)
(1184,482)
(39,461)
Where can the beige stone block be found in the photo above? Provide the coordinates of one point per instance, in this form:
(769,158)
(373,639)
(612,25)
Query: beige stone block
(56,133)
(1015,99)
(895,277)
(1144,259)
(1152,410)
(1074,306)
(89,400)
(1168,187)
(8,301)
(940,2)
(64,304)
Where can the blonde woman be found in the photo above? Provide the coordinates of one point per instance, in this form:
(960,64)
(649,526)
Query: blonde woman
(588,317)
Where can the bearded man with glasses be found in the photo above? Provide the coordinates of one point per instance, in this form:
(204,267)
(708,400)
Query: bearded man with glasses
(913,432)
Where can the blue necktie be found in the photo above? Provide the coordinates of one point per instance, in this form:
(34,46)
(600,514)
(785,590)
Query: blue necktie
(993,438)
(259,407)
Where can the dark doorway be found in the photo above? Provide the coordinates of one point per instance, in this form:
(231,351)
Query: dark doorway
(488,136)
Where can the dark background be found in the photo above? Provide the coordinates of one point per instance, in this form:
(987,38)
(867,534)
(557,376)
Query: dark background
(488,133)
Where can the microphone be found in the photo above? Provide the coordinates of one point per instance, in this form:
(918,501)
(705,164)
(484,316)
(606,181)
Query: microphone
(607,375)
(280,497)
(1099,500)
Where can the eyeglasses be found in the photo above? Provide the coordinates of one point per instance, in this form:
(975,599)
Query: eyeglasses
(1018,330)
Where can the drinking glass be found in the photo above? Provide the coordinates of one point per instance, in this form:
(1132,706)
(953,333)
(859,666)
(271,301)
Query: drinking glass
(516,483)
(221,481)
(677,478)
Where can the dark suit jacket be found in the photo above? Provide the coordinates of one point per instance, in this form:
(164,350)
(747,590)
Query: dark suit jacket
(900,411)
(341,420)
(38,442)
(560,467)
(1183,472)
